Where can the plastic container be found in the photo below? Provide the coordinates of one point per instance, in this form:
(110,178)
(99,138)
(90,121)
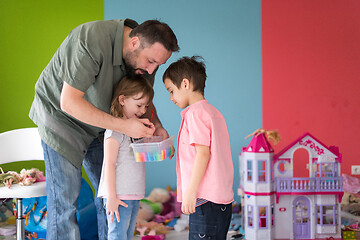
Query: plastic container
(153,149)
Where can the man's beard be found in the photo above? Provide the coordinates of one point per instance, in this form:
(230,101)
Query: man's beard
(129,60)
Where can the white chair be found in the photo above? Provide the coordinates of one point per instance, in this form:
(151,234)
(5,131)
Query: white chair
(21,145)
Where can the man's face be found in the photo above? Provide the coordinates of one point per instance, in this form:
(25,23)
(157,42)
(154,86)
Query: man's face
(143,61)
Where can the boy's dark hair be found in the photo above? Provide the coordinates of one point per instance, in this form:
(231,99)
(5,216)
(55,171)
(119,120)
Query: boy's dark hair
(153,31)
(192,69)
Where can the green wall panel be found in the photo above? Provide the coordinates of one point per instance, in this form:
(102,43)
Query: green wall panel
(30,33)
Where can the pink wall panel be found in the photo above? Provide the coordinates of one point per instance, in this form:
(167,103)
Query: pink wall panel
(311,72)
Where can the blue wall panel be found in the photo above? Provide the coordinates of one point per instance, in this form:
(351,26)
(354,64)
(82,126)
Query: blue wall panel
(228,35)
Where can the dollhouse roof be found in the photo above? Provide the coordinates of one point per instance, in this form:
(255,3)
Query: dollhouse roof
(310,141)
(259,144)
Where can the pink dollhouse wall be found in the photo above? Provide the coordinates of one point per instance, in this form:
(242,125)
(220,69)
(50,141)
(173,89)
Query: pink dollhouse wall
(310,61)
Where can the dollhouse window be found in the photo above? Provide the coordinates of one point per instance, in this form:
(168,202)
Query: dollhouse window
(272,170)
(325,170)
(281,167)
(250,216)
(327,214)
(262,217)
(249,170)
(262,171)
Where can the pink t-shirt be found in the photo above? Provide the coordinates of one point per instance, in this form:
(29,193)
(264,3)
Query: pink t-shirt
(203,124)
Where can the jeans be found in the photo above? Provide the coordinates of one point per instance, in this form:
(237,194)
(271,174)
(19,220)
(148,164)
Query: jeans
(123,230)
(210,221)
(63,183)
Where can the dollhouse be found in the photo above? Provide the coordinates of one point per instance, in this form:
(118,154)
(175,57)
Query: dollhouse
(278,205)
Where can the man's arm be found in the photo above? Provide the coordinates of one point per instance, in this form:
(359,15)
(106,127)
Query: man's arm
(73,103)
(198,171)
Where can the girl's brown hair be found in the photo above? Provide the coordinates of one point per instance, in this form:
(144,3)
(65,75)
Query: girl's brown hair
(129,87)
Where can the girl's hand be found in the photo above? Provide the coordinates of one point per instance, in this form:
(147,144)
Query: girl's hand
(112,208)
(189,202)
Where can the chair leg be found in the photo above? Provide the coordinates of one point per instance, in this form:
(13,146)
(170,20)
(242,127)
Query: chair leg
(20,229)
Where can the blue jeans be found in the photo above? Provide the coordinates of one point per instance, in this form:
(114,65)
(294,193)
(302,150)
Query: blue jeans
(63,183)
(210,221)
(123,230)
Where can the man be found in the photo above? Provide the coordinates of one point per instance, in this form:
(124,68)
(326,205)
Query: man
(72,101)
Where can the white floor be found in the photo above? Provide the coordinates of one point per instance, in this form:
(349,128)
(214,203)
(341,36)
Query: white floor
(172,235)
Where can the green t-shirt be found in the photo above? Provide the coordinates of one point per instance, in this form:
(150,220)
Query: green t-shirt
(90,60)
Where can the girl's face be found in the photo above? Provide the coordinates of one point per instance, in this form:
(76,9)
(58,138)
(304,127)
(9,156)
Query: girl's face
(134,106)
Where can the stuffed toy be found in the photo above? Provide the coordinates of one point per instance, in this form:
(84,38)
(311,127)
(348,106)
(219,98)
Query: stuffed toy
(152,205)
(26,177)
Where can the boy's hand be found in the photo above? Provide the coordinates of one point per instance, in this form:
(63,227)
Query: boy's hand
(189,202)
(112,208)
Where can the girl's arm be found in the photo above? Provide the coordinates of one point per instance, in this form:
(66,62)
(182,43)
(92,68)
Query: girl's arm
(198,171)
(111,150)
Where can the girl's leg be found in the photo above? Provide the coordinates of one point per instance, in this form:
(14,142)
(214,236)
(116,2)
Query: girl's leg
(123,230)
(134,213)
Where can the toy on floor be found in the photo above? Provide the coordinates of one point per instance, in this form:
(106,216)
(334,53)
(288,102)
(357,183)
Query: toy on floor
(275,197)
(155,237)
(152,205)
(151,228)
(182,223)
(157,211)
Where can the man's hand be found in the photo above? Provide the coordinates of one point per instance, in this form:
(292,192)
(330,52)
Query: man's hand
(73,103)
(138,128)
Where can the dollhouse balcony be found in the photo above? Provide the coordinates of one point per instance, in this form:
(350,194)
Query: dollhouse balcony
(309,185)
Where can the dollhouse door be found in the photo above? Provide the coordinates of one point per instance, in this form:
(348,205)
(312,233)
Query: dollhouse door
(301,215)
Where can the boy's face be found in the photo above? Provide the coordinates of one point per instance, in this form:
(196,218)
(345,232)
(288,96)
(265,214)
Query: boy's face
(177,95)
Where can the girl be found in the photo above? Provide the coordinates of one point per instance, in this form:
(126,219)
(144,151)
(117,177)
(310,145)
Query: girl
(122,182)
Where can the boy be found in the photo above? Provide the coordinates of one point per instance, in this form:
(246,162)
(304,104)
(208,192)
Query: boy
(204,165)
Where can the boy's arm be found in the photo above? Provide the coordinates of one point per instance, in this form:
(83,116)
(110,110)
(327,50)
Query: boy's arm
(198,171)
(111,150)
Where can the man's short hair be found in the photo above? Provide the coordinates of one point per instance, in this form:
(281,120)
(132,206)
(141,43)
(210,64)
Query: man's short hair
(153,31)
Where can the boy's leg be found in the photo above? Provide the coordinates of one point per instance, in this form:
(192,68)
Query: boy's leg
(63,183)
(92,165)
(123,230)
(210,221)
